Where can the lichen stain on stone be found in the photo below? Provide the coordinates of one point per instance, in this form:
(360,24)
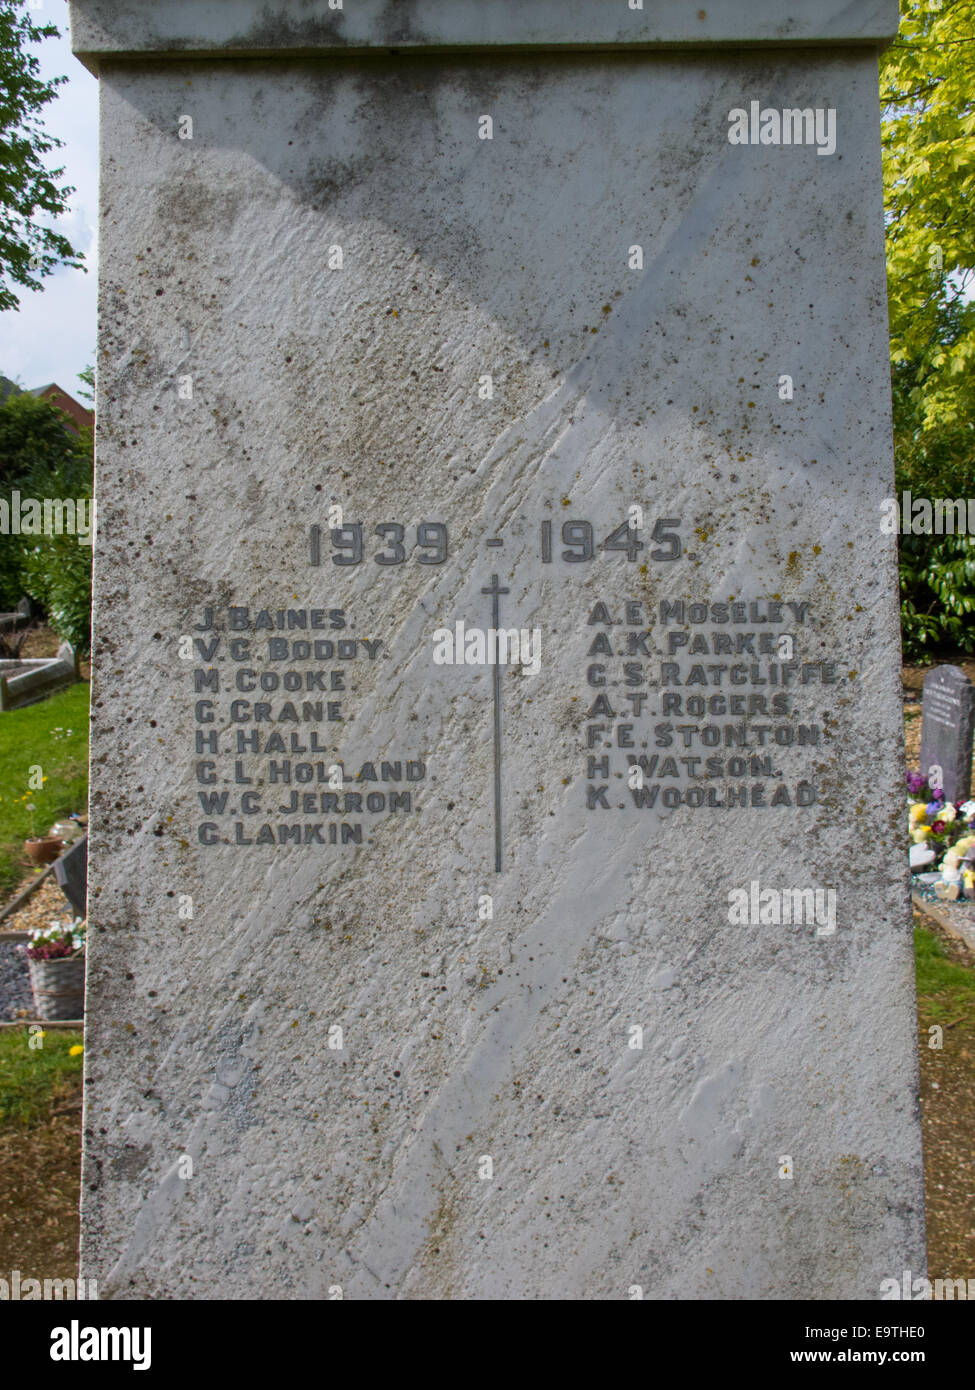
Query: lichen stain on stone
(188,200)
(323,31)
(129,1163)
(436,1259)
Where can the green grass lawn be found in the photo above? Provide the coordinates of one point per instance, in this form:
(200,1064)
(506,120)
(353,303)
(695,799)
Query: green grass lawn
(946,990)
(39,736)
(31,1078)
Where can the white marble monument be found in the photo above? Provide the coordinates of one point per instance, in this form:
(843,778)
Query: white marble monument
(428,962)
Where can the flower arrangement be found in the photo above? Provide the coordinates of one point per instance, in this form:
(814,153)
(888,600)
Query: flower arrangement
(56,957)
(59,941)
(947,830)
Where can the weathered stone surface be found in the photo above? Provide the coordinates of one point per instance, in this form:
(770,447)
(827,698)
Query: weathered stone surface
(511,1036)
(105,29)
(947,731)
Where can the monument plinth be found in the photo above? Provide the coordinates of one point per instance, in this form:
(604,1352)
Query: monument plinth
(497,886)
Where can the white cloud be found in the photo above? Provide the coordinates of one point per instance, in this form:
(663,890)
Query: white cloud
(52,337)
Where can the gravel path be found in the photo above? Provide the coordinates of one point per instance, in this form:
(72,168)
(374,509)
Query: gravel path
(14,982)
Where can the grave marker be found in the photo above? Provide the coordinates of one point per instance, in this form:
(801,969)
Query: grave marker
(947,731)
(71,872)
(480,901)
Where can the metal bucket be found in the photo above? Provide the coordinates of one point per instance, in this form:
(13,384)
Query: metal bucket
(59,988)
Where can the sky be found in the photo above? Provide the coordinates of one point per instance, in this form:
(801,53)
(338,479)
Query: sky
(52,336)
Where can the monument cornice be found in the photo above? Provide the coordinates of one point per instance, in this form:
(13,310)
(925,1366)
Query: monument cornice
(103,30)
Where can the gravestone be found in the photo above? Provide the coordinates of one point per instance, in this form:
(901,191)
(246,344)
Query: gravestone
(947,731)
(424,961)
(26,681)
(19,617)
(71,872)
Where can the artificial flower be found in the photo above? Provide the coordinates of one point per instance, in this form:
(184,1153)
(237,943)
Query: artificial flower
(58,941)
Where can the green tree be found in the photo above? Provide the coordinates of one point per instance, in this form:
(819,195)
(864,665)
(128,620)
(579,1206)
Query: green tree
(928,98)
(33,439)
(40,458)
(29,191)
